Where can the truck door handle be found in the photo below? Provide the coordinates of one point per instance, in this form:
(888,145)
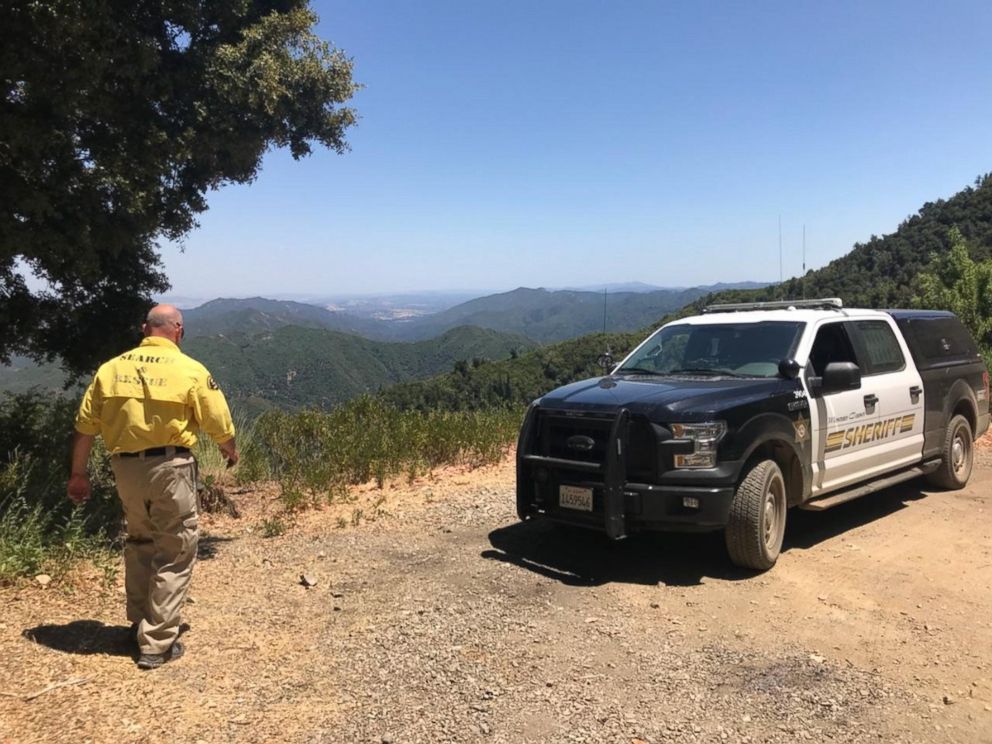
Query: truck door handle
(915,392)
(871,401)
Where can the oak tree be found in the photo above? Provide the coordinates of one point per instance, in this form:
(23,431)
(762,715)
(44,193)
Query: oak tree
(116,119)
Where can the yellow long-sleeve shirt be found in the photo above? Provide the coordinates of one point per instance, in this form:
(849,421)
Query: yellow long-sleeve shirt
(153,396)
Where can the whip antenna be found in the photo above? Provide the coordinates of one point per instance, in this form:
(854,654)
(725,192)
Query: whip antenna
(780,277)
(804,262)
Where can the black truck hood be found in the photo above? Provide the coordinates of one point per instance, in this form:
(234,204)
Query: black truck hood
(664,399)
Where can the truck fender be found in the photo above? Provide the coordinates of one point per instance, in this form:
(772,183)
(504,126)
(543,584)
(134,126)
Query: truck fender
(960,392)
(768,428)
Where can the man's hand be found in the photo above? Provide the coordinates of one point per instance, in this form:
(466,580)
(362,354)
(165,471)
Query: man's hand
(230,450)
(78,490)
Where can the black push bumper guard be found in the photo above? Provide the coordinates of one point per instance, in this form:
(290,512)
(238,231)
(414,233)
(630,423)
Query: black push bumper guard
(623,502)
(613,471)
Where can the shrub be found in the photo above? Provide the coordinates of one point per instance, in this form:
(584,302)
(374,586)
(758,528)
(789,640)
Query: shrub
(40,529)
(316,455)
(35,538)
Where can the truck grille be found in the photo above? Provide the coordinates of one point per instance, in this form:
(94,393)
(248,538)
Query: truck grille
(585,439)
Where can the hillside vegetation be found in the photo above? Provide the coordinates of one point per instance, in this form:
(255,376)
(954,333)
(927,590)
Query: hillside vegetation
(542,315)
(258,314)
(548,316)
(295,367)
(513,382)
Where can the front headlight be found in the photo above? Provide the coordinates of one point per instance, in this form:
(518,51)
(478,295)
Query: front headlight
(705,437)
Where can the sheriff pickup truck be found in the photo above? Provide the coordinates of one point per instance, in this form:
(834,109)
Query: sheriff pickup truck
(725,420)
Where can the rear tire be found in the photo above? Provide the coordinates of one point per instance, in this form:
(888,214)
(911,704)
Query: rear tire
(958,456)
(757,517)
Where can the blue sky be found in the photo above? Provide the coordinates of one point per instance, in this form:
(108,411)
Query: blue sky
(570,143)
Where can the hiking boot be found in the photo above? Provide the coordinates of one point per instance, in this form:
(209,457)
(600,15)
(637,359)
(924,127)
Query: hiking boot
(154,661)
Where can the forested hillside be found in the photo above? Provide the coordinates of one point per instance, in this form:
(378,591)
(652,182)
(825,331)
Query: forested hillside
(542,315)
(257,314)
(512,382)
(548,316)
(294,367)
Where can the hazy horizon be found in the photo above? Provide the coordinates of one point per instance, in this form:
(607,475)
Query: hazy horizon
(321,298)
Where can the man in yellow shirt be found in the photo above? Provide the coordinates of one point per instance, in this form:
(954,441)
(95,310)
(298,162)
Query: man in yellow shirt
(148,405)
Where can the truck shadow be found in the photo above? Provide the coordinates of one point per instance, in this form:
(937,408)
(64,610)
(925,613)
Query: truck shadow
(577,557)
(806,529)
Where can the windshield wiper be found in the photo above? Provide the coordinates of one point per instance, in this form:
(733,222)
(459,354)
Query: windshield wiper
(638,371)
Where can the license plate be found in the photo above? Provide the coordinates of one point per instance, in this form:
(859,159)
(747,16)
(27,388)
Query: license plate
(573,497)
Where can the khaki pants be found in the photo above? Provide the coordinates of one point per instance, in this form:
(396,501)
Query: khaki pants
(159,498)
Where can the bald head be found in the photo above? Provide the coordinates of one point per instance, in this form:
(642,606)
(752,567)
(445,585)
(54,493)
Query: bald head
(165,321)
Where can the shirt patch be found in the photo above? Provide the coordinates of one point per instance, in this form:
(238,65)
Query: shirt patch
(212,384)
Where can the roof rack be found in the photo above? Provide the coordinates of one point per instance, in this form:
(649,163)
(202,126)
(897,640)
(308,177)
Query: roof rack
(825,303)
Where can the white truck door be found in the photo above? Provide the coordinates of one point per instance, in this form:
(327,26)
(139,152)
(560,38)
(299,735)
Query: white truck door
(839,420)
(887,369)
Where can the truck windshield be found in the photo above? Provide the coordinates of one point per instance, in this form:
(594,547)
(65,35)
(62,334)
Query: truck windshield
(715,349)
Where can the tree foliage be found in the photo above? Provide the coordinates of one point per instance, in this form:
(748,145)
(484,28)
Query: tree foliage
(962,285)
(511,383)
(116,119)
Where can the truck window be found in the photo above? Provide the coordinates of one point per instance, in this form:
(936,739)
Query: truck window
(878,348)
(938,340)
(831,345)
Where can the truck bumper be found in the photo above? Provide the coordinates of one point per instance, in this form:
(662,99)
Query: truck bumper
(610,502)
(645,508)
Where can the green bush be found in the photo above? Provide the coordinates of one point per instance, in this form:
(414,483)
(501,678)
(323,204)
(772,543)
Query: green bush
(40,529)
(316,455)
(36,538)
(273,527)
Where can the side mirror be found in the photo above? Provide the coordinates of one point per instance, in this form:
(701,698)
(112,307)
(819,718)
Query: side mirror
(789,369)
(606,362)
(838,377)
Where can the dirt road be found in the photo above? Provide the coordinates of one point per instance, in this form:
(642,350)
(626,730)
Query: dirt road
(445,620)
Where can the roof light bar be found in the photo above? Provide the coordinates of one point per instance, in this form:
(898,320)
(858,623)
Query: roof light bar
(826,303)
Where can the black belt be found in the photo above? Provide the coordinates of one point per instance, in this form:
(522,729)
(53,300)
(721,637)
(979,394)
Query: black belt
(154,451)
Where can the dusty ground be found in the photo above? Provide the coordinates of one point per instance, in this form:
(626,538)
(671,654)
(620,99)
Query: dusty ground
(445,620)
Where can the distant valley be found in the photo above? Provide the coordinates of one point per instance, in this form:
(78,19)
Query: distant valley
(542,315)
(290,354)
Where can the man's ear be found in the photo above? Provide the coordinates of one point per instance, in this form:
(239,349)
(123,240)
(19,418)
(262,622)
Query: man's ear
(144,329)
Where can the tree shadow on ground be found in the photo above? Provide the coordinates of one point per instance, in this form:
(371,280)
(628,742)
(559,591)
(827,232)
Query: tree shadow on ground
(85,637)
(207,546)
(578,557)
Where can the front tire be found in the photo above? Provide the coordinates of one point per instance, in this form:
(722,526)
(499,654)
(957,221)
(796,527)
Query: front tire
(958,456)
(757,517)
